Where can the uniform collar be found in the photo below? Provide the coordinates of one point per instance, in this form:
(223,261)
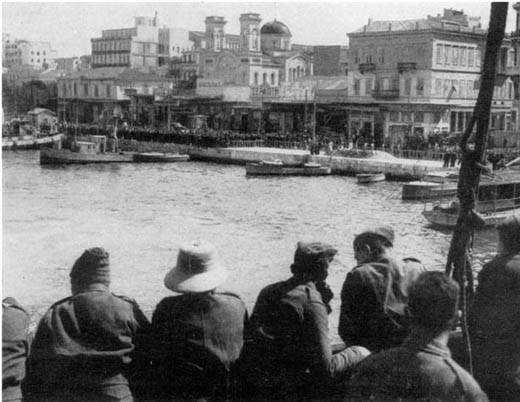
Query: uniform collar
(427,344)
(94,287)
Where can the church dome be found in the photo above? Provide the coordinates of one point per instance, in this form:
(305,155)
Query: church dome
(275,28)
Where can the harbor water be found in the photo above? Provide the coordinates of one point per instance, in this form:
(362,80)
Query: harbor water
(142,213)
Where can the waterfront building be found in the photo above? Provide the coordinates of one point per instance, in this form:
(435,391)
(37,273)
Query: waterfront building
(20,52)
(423,76)
(330,60)
(100,94)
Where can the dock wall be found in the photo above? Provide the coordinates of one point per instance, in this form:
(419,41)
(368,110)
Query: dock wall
(395,169)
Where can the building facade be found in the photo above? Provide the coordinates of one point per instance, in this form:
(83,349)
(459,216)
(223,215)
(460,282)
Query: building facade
(19,52)
(424,76)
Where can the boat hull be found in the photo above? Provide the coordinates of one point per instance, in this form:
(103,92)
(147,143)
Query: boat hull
(31,143)
(421,190)
(50,156)
(258,169)
(366,178)
(157,157)
(439,217)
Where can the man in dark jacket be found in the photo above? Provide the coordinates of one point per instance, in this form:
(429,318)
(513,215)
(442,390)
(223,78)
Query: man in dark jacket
(88,347)
(288,354)
(197,337)
(375,293)
(15,348)
(421,369)
(495,318)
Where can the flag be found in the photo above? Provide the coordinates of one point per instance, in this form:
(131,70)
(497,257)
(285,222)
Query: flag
(450,94)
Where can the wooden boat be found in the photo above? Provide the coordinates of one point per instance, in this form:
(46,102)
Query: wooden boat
(277,168)
(425,190)
(160,157)
(29,141)
(496,200)
(85,153)
(366,178)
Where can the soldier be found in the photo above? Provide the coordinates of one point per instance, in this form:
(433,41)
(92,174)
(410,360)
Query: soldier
(88,347)
(15,348)
(375,293)
(197,336)
(494,319)
(422,368)
(288,355)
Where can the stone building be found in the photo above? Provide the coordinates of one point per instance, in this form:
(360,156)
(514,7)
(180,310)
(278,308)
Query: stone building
(423,75)
(20,52)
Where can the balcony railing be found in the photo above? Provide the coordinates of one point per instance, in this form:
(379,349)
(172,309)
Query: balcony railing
(385,93)
(265,92)
(404,67)
(366,67)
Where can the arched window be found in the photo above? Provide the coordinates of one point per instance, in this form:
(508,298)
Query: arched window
(298,71)
(273,79)
(256,78)
(264,78)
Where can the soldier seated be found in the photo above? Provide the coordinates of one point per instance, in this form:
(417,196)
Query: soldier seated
(88,347)
(422,368)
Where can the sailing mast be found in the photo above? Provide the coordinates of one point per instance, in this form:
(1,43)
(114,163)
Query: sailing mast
(459,264)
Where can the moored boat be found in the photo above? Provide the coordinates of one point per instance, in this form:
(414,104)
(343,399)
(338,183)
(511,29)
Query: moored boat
(496,200)
(277,168)
(51,156)
(366,178)
(424,190)
(159,157)
(29,141)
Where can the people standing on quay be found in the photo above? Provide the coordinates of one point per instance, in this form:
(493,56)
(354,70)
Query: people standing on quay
(197,337)
(88,346)
(375,293)
(494,320)
(422,368)
(287,355)
(15,348)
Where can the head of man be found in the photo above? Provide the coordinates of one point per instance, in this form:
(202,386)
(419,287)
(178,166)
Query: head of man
(373,243)
(312,260)
(509,235)
(433,302)
(92,267)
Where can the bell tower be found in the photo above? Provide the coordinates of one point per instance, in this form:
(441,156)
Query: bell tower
(215,33)
(250,32)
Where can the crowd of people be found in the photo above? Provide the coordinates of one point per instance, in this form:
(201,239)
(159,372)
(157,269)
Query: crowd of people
(397,320)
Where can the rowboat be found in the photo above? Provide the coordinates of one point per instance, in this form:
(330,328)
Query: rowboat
(160,157)
(497,199)
(277,168)
(366,178)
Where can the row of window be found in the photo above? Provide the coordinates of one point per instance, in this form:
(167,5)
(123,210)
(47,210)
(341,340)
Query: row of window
(71,89)
(378,54)
(38,61)
(455,55)
(468,89)
(264,78)
(113,45)
(38,53)
(111,58)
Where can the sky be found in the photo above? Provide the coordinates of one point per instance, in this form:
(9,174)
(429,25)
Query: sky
(68,26)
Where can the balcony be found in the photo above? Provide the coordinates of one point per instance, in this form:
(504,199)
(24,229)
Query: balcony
(404,67)
(366,67)
(386,93)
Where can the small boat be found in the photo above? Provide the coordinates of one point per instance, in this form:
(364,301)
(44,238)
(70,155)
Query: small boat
(366,178)
(496,200)
(160,157)
(425,190)
(51,156)
(29,141)
(277,168)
